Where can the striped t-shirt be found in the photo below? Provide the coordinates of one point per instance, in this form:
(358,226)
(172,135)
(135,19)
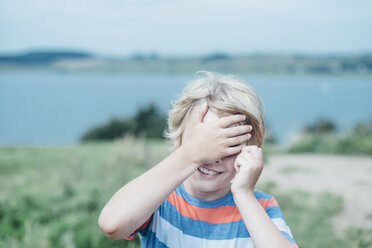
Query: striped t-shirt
(185,221)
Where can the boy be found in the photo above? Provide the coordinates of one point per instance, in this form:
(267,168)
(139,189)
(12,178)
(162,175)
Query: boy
(202,194)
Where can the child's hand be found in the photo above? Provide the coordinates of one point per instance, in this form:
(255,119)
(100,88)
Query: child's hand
(248,165)
(209,142)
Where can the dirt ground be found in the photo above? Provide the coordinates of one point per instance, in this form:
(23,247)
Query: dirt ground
(347,176)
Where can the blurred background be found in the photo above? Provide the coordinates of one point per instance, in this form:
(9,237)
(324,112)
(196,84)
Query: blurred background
(85,88)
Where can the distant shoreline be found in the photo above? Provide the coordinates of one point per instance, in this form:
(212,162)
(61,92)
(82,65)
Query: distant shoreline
(69,62)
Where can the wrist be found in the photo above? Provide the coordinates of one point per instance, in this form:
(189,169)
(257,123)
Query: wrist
(243,194)
(188,156)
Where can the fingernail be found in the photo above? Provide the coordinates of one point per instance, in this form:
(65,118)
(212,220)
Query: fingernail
(244,117)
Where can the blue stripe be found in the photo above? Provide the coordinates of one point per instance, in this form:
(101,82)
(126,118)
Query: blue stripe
(223,201)
(261,195)
(227,199)
(145,229)
(288,237)
(151,241)
(274,212)
(178,191)
(203,229)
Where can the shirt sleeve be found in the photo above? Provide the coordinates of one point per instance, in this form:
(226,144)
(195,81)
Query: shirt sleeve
(141,229)
(276,216)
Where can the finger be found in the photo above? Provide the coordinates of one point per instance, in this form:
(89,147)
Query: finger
(238,140)
(228,120)
(256,151)
(240,162)
(250,151)
(260,154)
(237,164)
(233,150)
(254,154)
(250,148)
(237,130)
(248,156)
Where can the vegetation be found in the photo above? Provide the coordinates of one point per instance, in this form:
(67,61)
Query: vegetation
(318,137)
(321,137)
(42,57)
(222,62)
(148,122)
(309,216)
(52,196)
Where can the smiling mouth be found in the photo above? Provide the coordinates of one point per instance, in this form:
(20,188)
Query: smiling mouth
(206,171)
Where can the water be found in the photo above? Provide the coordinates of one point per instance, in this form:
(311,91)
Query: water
(54,108)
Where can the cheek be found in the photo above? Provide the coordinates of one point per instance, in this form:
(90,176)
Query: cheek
(229,163)
(230,174)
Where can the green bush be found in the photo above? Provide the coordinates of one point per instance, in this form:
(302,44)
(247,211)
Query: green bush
(324,140)
(321,126)
(148,122)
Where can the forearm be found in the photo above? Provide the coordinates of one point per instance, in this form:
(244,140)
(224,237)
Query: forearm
(134,203)
(259,225)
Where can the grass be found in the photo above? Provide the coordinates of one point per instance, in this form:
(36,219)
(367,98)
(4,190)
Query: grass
(52,196)
(289,169)
(348,143)
(310,218)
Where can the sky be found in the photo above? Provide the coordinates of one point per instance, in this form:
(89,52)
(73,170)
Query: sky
(187,27)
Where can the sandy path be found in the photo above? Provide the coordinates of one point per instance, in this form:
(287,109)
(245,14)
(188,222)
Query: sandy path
(348,176)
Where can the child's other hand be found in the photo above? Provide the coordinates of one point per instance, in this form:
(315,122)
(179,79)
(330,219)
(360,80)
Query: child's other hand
(248,165)
(209,141)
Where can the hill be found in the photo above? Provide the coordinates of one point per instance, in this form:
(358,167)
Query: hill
(42,57)
(152,63)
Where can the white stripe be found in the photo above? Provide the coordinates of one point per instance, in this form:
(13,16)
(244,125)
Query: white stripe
(282,226)
(173,237)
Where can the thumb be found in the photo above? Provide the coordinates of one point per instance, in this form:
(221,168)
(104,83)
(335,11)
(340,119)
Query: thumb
(200,111)
(236,164)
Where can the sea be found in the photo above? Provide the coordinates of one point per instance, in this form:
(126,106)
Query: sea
(56,108)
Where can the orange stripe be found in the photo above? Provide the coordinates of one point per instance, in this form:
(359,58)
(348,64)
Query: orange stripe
(130,237)
(268,202)
(222,214)
(145,224)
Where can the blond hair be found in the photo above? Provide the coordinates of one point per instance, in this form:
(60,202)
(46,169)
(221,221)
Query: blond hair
(225,95)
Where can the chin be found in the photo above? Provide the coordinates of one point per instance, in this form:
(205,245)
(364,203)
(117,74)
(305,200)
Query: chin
(211,186)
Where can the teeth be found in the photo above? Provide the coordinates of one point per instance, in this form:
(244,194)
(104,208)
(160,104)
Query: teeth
(208,172)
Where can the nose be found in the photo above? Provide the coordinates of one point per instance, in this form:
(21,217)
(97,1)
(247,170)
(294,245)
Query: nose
(218,161)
